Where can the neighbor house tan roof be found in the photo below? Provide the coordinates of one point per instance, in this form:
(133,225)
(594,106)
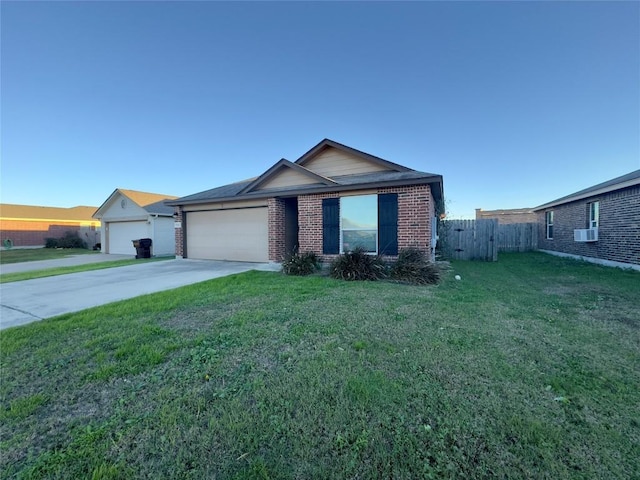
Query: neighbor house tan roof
(145,198)
(153,203)
(34,212)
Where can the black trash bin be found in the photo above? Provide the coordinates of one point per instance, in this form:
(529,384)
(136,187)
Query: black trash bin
(143,247)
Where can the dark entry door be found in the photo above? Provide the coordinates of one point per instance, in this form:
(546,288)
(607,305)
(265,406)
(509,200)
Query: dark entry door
(291,224)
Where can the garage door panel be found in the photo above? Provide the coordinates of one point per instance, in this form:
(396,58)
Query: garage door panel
(121,235)
(240,234)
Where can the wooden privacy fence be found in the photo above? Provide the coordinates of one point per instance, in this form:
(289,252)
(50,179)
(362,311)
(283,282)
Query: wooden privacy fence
(470,239)
(518,237)
(483,239)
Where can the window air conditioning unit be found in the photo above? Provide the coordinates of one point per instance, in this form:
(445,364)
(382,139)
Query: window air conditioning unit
(585,235)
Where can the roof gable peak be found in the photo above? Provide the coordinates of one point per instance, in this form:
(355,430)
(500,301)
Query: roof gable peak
(284,165)
(328,143)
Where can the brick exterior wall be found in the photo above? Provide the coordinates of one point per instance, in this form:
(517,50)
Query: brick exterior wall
(179,232)
(618,230)
(276,229)
(310,223)
(507,217)
(415,210)
(25,233)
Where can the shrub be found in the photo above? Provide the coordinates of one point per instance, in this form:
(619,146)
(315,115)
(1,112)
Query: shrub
(413,266)
(300,263)
(69,240)
(358,265)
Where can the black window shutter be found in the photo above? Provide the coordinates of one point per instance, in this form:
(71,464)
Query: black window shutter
(330,225)
(388,224)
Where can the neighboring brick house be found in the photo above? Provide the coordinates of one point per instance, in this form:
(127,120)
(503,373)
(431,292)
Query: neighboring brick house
(31,225)
(508,216)
(600,223)
(330,200)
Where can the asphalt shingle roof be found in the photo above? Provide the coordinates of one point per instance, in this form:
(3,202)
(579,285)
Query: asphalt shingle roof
(392,175)
(232,190)
(608,185)
(224,191)
(81,213)
(159,208)
(145,199)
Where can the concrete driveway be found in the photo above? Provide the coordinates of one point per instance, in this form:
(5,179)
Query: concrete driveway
(32,300)
(70,261)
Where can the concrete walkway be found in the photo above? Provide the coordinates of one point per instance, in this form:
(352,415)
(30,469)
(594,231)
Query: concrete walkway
(70,261)
(32,300)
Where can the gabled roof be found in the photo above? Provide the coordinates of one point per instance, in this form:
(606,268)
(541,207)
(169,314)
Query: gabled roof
(145,199)
(392,175)
(160,208)
(326,143)
(153,203)
(14,211)
(624,181)
(284,164)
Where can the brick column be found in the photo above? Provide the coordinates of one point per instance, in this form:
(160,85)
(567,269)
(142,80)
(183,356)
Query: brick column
(276,229)
(178,233)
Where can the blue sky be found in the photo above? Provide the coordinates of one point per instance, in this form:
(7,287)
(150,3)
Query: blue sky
(514,103)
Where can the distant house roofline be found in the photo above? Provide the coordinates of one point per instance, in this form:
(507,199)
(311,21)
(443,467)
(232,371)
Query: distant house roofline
(13,211)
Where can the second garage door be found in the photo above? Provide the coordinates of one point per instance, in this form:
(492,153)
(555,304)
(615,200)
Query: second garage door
(241,235)
(121,235)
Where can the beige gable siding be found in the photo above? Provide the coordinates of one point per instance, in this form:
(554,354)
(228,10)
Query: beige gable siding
(287,177)
(332,162)
(123,211)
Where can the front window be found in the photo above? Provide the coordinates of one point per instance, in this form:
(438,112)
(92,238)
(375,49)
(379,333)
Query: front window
(359,223)
(549,224)
(594,214)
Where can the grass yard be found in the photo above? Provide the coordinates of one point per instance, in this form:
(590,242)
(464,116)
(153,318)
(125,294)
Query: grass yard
(51,272)
(17,255)
(526,368)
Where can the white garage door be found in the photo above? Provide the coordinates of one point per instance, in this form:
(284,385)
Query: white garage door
(121,234)
(229,235)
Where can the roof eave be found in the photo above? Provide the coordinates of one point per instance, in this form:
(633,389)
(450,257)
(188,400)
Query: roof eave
(592,193)
(97,213)
(436,179)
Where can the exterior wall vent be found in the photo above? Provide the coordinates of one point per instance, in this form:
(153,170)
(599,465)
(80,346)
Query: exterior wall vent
(585,235)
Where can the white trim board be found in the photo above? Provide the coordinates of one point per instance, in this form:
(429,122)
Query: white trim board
(599,261)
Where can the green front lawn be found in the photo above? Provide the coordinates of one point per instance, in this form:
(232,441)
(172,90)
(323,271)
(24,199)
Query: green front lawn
(526,368)
(17,255)
(51,272)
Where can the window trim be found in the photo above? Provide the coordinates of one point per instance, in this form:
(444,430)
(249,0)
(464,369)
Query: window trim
(593,214)
(548,223)
(377,229)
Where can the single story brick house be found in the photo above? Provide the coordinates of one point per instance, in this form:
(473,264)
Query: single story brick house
(599,224)
(330,200)
(129,215)
(31,225)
